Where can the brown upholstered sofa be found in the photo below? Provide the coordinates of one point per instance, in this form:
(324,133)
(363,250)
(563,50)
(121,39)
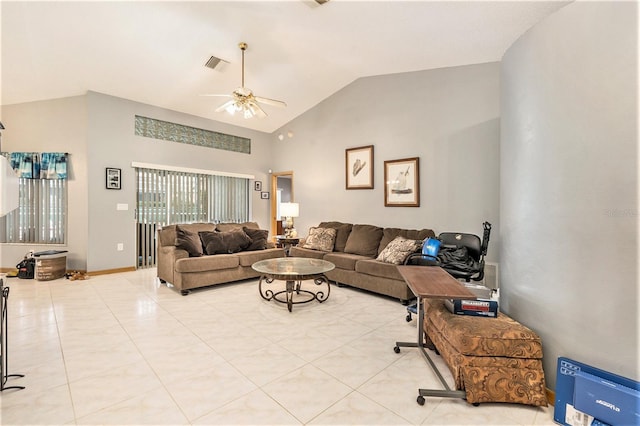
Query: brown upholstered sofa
(180,264)
(354,254)
(491,359)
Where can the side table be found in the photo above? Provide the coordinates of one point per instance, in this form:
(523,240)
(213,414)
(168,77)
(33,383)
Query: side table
(286,242)
(431,282)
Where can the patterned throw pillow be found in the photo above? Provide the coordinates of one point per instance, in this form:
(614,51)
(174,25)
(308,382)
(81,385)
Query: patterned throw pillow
(398,250)
(321,239)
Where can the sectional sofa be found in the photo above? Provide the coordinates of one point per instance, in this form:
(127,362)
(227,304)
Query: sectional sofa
(203,254)
(358,255)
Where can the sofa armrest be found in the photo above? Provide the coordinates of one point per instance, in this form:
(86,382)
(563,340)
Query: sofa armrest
(167,257)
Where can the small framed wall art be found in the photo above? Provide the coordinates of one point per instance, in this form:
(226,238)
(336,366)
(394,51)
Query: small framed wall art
(257,185)
(402,182)
(113,178)
(264,195)
(359,167)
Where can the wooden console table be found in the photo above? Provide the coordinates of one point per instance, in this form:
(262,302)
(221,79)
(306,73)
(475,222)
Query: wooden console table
(431,282)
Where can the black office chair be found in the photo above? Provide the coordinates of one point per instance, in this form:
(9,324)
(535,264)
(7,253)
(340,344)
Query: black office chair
(461,255)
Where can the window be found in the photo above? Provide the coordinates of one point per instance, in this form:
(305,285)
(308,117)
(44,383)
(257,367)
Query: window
(41,217)
(168,197)
(177,196)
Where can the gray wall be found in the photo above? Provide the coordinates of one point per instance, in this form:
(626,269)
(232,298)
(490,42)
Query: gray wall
(98,131)
(58,125)
(112,143)
(448,117)
(569,185)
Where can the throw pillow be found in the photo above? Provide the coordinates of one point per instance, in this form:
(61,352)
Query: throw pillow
(225,242)
(189,241)
(212,242)
(397,250)
(258,238)
(343,230)
(321,239)
(364,240)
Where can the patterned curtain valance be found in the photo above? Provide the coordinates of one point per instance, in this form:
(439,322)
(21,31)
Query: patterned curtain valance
(36,165)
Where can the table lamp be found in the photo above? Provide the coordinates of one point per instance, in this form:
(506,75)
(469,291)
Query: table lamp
(289,211)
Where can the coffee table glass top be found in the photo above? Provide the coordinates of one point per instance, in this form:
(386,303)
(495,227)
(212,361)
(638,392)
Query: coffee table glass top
(292,266)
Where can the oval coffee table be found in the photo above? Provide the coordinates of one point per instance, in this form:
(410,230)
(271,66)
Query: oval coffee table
(293,270)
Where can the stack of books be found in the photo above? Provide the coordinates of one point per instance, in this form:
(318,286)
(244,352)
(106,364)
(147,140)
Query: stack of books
(478,307)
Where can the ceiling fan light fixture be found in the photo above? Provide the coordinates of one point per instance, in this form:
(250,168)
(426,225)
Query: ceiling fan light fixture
(243,100)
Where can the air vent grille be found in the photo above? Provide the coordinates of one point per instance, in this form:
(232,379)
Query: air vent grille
(213,62)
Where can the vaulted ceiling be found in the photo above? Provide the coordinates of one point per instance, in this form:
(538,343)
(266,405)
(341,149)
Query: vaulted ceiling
(299,52)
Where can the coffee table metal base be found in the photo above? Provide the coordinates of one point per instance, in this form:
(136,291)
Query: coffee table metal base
(294,287)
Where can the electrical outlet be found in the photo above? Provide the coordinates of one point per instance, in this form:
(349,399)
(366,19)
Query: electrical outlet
(120,246)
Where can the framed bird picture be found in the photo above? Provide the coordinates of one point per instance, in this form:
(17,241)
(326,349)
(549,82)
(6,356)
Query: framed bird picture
(359,167)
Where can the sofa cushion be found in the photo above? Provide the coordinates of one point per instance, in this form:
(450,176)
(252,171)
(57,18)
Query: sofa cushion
(398,250)
(379,269)
(225,227)
(297,251)
(189,241)
(389,234)
(258,238)
(342,233)
(248,258)
(364,240)
(344,260)
(224,242)
(321,239)
(207,263)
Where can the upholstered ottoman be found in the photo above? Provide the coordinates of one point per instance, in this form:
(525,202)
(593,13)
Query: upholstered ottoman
(492,359)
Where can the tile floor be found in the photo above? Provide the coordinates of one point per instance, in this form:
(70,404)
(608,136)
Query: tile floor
(124,349)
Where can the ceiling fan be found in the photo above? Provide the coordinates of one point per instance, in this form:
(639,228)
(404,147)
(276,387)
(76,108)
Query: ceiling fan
(243,100)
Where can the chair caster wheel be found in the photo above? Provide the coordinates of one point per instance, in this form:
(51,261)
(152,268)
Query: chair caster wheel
(420,400)
(396,349)
(476,404)
(408,318)
(437,352)
(184,292)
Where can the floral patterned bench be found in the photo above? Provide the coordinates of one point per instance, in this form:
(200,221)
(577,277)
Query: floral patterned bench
(491,359)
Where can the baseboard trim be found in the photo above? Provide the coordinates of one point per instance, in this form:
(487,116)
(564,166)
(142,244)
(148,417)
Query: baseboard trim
(551,396)
(102,272)
(112,271)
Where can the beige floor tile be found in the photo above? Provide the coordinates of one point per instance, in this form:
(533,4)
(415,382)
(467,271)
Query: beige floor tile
(307,392)
(207,390)
(91,394)
(125,349)
(254,408)
(356,409)
(151,408)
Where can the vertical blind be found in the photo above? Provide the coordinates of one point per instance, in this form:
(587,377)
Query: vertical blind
(168,197)
(41,216)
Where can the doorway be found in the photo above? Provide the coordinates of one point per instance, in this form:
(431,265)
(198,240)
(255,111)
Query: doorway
(281,192)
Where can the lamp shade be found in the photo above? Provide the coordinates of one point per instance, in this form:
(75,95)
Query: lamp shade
(9,184)
(289,209)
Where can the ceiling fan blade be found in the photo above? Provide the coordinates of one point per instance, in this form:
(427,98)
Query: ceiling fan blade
(272,102)
(255,108)
(225,105)
(224,96)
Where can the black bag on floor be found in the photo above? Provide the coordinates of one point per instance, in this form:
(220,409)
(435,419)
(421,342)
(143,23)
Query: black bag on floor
(27,268)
